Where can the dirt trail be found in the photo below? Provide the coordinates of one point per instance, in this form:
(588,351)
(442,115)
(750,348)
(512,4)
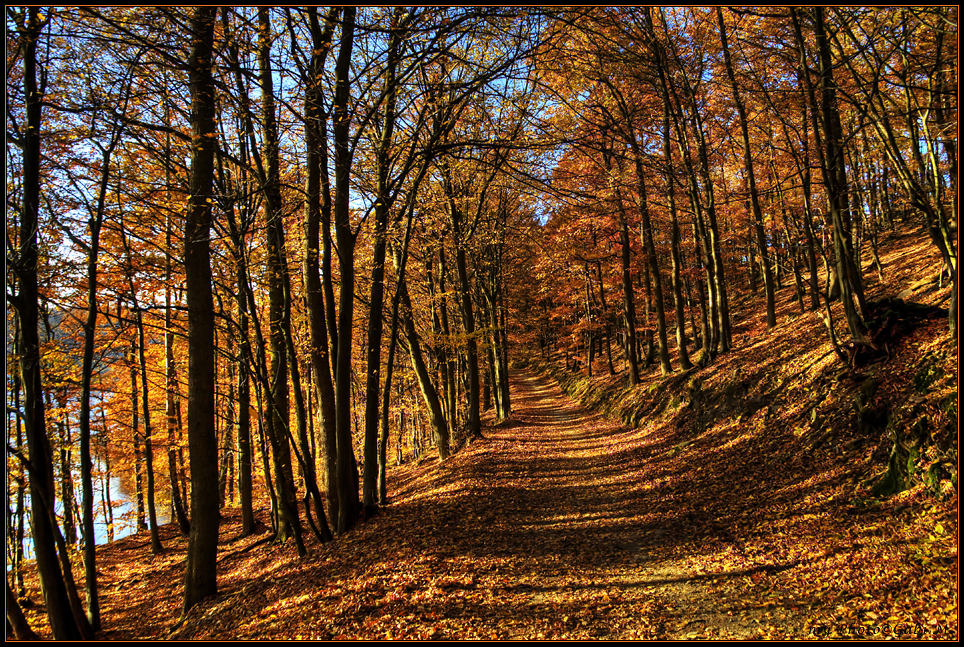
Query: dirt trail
(580,526)
(556,525)
(550,527)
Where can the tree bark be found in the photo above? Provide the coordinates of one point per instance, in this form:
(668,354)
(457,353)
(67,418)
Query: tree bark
(384,198)
(676,253)
(318,209)
(429,392)
(148,445)
(200,579)
(63,624)
(173,399)
(347,483)
(751,178)
(835,182)
(279,312)
(16,621)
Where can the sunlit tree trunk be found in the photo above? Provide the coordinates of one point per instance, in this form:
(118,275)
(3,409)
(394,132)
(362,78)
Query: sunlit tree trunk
(429,392)
(834,172)
(676,253)
(148,445)
(751,178)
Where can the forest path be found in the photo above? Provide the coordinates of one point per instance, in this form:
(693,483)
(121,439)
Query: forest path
(578,531)
(556,525)
(559,524)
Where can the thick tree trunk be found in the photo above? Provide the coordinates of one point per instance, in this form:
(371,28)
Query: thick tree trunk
(16,621)
(200,578)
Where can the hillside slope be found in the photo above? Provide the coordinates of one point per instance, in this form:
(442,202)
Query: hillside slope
(733,501)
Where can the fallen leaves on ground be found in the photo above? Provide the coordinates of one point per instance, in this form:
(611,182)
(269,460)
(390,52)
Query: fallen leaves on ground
(563,524)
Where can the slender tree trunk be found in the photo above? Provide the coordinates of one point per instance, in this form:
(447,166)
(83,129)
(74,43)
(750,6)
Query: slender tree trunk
(402,261)
(652,261)
(714,309)
(384,200)
(245,484)
(66,477)
(318,209)
(136,439)
(17,533)
(347,483)
(148,445)
(808,215)
(429,393)
(629,296)
(751,178)
(835,181)
(473,422)
(675,252)
(106,478)
(279,313)
(173,400)
(90,328)
(629,301)
(447,362)
(305,457)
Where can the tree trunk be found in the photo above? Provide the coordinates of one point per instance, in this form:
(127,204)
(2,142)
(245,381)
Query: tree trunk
(136,439)
(347,483)
(652,261)
(835,181)
(173,400)
(245,484)
(384,198)
(16,622)
(675,252)
(200,579)
(429,392)
(62,623)
(148,445)
(279,314)
(751,179)
(318,208)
